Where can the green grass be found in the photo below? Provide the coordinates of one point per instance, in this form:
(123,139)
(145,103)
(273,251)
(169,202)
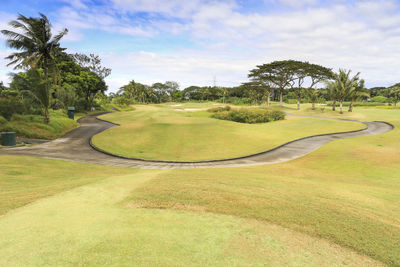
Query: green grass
(346,192)
(32,126)
(24,180)
(161,132)
(325,209)
(93,225)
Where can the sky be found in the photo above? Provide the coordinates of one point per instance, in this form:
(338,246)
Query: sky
(202,42)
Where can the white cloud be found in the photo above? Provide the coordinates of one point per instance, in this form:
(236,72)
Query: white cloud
(363,36)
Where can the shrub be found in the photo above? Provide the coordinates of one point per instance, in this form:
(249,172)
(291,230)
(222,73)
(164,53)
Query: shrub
(10,106)
(379,99)
(244,115)
(219,109)
(2,120)
(236,100)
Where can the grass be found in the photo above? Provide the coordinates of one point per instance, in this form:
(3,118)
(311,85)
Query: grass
(94,225)
(328,208)
(21,185)
(346,192)
(32,126)
(162,132)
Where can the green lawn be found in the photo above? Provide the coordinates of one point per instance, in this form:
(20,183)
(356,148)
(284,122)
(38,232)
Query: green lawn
(338,206)
(347,191)
(32,126)
(182,132)
(95,225)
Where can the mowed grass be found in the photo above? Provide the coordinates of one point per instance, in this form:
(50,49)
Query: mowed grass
(168,132)
(32,126)
(25,179)
(94,225)
(348,191)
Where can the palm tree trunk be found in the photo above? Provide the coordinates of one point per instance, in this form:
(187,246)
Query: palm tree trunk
(313,106)
(351,105)
(46,115)
(268,99)
(298,102)
(341,106)
(281,98)
(334,105)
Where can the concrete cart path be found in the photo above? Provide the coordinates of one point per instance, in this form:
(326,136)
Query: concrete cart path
(75,146)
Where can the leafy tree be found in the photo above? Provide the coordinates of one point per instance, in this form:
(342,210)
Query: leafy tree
(161,91)
(259,90)
(357,92)
(279,73)
(171,88)
(37,47)
(93,63)
(313,72)
(288,73)
(395,94)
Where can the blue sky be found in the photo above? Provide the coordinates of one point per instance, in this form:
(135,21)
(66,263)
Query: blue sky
(192,42)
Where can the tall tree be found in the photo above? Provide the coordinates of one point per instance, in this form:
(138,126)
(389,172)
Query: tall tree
(279,73)
(345,85)
(313,72)
(93,63)
(395,94)
(332,89)
(38,48)
(358,91)
(313,94)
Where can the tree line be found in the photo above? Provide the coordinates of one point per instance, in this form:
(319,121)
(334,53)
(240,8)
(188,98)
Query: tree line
(51,78)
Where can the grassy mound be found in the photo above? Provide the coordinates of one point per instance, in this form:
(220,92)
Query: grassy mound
(160,132)
(32,126)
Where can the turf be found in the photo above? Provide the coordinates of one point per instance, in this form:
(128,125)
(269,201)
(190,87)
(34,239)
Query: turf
(24,179)
(347,191)
(92,225)
(32,126)
(164,133)
(331,206)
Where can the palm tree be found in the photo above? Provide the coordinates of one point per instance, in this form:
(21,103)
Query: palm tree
(37,47)
(344,85)
(357,92)
(332,92)
(313,94)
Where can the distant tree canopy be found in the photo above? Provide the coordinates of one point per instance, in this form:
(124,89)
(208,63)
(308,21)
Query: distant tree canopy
(288,74)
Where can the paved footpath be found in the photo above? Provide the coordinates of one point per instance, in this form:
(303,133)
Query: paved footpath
(75,146)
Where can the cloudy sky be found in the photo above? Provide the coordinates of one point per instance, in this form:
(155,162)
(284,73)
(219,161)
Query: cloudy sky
(194,41)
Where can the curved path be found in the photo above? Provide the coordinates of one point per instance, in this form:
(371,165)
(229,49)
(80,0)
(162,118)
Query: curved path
(75,146)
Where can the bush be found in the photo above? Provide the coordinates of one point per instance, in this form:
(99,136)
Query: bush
(379,99)
(10,106)
(219,109)
(2,120)
(236,100)
(244,115)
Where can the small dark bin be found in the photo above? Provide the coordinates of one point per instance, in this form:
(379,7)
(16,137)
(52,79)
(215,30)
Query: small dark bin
(71,111)
(8,138)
